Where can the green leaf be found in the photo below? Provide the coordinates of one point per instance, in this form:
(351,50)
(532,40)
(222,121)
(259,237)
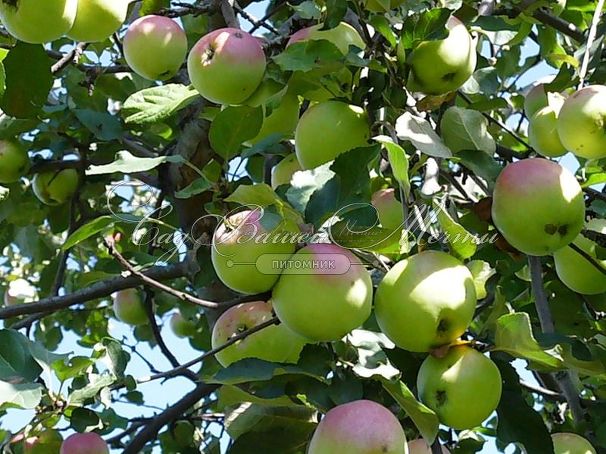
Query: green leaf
(17,365)
(74,367)
(11,127)
(335,12)
(127,163)
(154,104)
(104,126)
(305,183)
(419,132)
(466,129)
(428,25)
(480,164)
(284,437)
(153,6)
(372,360)
(21,395)
(232,127)
(249,417)
(96,384)
(462,243)
(87,230)
(382,25)
(198,186)
(398,161)
(84,420)
(262,195)
(307,55)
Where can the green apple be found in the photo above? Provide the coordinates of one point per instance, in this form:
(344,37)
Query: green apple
(325,294)
(275,343)
(155,47)
(420,446)
(543,130)
(538,206)
(46,442)
(388,209)
(582,122)
(463,387)
(97,20)
(283,171)
(129,307)
(569,443)
(441,66)
(14,161)
(181,326)
(358,427)
(245,238)
(56,187)
(575,271)
(425,301)
(226,66)
(342,36)
(352,130)
(36,21)
(535,100)
(84,443)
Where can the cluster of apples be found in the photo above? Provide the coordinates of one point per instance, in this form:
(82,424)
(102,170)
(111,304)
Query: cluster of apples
(78,443)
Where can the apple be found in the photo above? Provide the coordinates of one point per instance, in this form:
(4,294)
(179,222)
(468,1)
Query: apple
(155,47)
(358,427)
(569,443)
(350,131)
(97,20)
(275,343)
(342,36)
(325,294)
(389,210)
(581,123)
(463,387)
(420,446)
(46,442)
(226,66)
(38,22)
(19,291)
(283,171)
(538,206)
(425,301)
(543,130)
(129,307)
(56,187)
(84,443)
(575,271)
(14,161)
(181,326)
(442,66)
(535,100)
(244,238)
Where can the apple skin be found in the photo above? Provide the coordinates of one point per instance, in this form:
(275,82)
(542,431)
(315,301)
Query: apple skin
(570,443)
(425,301)
(275,343)
(181,326)
(284,170)
(358,427)
(14,161)
(56,188)
(389,210)
(351,131)
(463,388)
(235,252)
(324,305)
(155,47)
(582,120)
(442,66)
(420,446)
(535,100)
(538,206)
(38,22)
(97,20)
(226,66)
(543,132)
(84,443)
(46,442)
(129,307)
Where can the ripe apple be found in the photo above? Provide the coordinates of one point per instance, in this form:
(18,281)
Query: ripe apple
(569,443)
(38,22)
(325,294)
(275,343)
(420,446)
(155,47)
(226,66)
(55,187)
(425,301)
(84,443)
(581,123)
(463,387)
(538,206)
(46,442)
(342,36)
(129,307)
(97,20)
(14,161)
(388,208)
(543,129)
(358,427)
(575,271)
(442,66)
(241,240)
(181,326)
(350,131)
(284,170)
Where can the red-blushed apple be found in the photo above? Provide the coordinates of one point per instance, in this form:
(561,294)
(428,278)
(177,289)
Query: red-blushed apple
(155,47)
(46,442)
(38,22)
(84,443)
(284,170)
(325,294)
(97,20)
(582,122)
(463,387)
(570,443)
(358,427)
(226,66)
(389,210)
(181,326)
(425,301)
(129,307)
(543,129)
(275,343)
(320,138)
(14,161)
(342,36)
(420,446)
(538,206)
(55,187)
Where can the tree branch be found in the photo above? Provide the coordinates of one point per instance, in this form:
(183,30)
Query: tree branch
(71,57)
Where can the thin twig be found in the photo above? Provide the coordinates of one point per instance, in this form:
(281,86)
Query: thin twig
(71,57)
(588,257)
(590,39)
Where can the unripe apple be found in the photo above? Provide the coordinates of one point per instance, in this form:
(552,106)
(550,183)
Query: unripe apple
(97,20)
(226,66)
(155,47)
(463,387)
(342,36)
(538,206)
(14,161)
(420,446)
(84,443)
(244,238)
(275,343)
(38,22)
(46,442)
(358,427)
(442,66)
(284,170)
(55,187)
(350,131)
(181,326)
(388,208)
(569,443)
(425,301)
(326,294)
(543,130)
(582,122)
(129,307)
(535,100)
